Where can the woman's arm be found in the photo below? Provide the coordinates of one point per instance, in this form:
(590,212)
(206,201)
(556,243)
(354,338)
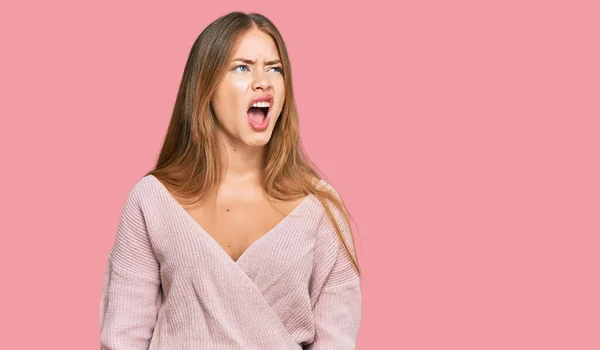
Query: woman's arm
(131,292)
(337,310)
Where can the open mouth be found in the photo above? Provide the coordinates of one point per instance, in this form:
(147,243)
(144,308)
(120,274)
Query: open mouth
(258,114)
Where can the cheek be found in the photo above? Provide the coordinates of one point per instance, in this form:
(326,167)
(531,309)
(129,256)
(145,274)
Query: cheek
(281,98)
(218,107)
(239,84)
(280,92)
(224,104)
(232,99)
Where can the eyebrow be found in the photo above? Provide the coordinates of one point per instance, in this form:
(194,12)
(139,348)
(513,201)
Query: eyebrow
(249,61)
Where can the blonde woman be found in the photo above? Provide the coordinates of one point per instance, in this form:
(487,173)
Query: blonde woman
(233,240)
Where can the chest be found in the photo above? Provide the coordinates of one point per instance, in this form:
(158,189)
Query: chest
(235,219)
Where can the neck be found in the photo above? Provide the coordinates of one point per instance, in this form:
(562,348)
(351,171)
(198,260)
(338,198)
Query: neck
(242,164)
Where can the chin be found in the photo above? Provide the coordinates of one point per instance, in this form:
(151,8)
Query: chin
(258,139)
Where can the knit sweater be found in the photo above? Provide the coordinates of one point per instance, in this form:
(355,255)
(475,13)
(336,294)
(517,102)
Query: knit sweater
(169,285)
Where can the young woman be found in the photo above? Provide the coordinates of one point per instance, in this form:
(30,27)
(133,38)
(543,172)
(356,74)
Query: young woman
(233,240)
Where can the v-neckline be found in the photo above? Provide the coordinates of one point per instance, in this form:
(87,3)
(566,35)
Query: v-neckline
(172,199)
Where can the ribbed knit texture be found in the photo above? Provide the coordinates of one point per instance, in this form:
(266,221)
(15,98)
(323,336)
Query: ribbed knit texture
(170,286)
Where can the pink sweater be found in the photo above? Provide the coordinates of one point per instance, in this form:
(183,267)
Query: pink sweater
(169,285)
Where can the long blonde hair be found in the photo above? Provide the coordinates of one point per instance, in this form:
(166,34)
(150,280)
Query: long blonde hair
(189,165)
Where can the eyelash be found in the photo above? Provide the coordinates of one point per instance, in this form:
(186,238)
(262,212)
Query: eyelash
(279,69)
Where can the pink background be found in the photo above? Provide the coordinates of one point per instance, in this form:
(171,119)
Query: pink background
(463,136)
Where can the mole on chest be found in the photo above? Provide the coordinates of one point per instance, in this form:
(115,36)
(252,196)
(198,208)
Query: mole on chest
(236,226)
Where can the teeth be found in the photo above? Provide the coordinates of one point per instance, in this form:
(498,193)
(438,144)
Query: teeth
(262,104)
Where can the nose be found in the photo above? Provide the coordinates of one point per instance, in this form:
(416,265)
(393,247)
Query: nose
(261,81)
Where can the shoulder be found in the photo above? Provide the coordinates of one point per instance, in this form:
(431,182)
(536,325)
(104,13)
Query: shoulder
(143,185)
(337,210)
(323,184)
(142,189)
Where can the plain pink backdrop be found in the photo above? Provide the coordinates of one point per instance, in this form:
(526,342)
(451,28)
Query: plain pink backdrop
(463,136)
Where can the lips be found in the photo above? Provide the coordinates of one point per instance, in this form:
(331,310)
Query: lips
(261,98)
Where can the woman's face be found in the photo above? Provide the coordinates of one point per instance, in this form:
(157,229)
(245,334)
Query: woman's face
(254,72)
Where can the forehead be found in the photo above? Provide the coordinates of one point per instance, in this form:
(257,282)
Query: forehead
(257,44)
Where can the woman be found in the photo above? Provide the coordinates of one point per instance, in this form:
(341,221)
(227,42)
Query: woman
(233,241)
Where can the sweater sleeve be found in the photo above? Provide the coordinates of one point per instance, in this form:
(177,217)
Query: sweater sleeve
(337,310)
(131,291)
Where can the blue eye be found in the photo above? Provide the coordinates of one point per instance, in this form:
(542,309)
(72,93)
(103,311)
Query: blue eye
(242,65)
(279,69)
